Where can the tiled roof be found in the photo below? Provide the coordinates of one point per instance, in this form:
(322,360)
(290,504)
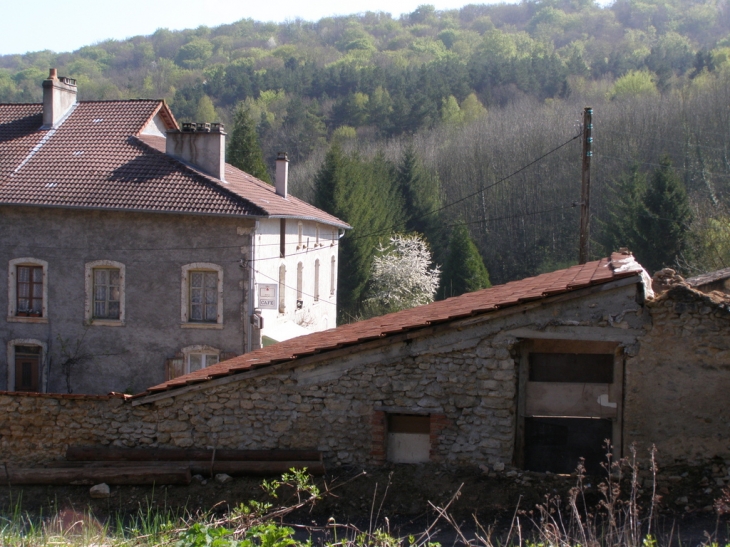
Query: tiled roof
(97,159)
(480,302)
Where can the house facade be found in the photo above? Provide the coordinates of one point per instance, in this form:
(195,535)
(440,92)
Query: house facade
(132,253)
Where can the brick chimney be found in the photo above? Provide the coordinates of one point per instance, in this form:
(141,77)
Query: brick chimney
(59,95)
(282,174)
(202,145)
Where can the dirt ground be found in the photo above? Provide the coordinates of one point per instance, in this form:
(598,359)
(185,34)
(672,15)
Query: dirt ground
(401,493)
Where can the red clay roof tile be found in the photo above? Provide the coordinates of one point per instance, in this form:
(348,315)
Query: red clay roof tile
(479,302)
(97,159)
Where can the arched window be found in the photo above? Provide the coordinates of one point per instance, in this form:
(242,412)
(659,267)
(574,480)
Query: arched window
(300,282)
(26,359)
(333,272)
(282,288)
(316,280)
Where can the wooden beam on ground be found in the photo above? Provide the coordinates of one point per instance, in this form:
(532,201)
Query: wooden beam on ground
(203,467)
(97,453)
(170,474)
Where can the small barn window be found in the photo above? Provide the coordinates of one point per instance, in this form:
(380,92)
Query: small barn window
(409,438)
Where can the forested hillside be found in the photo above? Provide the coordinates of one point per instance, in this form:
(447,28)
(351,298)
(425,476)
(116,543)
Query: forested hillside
(464,117)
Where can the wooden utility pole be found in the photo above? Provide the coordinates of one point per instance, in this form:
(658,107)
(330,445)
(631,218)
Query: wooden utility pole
(585,201)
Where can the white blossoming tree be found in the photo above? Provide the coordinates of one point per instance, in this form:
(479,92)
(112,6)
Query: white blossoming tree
(401,276)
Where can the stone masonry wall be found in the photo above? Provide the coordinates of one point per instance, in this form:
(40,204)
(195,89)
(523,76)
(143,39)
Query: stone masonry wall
(678,383)
(463,376)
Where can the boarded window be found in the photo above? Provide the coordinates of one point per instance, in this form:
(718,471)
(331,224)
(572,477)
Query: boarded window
(557,444)
(571,367)
(29,290)
(409,439)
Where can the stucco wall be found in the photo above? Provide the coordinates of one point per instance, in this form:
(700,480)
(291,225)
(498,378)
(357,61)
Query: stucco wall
(678,383)
(153,249)
(314,316)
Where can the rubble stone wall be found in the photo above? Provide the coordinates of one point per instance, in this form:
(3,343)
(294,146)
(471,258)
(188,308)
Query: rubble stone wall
(677,384)
(463,375)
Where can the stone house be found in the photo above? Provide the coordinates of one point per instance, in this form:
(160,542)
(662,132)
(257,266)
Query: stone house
(132,253)
(533,374)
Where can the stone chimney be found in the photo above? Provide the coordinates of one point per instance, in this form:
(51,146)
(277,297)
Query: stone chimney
(202,145)
(59,95)
(282,174)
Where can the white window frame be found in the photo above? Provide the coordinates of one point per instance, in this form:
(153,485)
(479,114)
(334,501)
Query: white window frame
(198,349)
(89,299)
(300,236)
(282,289)
(185,322)
(42,380)
(13,290)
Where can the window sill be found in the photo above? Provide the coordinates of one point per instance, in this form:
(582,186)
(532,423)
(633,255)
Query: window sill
(21,319)
(105,323)
(217,326)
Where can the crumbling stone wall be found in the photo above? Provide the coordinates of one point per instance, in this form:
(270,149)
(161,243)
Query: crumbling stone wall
(678,382)
(464,374)
(472,390)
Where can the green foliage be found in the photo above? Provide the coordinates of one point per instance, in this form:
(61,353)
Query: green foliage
(362,193)
(637,83)
(464,270)
(244,150)
(652,218)
(664,219)
(205,113)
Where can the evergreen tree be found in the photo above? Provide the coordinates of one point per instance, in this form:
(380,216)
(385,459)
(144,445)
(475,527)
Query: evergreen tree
(664,218)
(243,149)
(464,270)
(621,229)
(363,194)
(421,191)
(205,112)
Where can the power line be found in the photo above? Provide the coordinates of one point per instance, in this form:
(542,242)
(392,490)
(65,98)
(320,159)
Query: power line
(481,190)
(676,167)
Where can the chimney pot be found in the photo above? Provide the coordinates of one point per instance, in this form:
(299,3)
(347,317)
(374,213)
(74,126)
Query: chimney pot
(59,95)
(202,145)
(282,174)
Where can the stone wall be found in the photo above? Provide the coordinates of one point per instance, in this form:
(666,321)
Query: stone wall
(678,383)
(463,374)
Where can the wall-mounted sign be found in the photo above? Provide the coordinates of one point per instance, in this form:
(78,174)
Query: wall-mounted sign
(267,295)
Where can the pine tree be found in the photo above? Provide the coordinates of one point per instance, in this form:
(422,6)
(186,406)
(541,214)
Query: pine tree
(243,149)
(664,218)
(421,191)
(621,229)
(464,270)
(363,194)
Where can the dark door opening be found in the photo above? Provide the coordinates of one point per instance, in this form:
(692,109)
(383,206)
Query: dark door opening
(557,444)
